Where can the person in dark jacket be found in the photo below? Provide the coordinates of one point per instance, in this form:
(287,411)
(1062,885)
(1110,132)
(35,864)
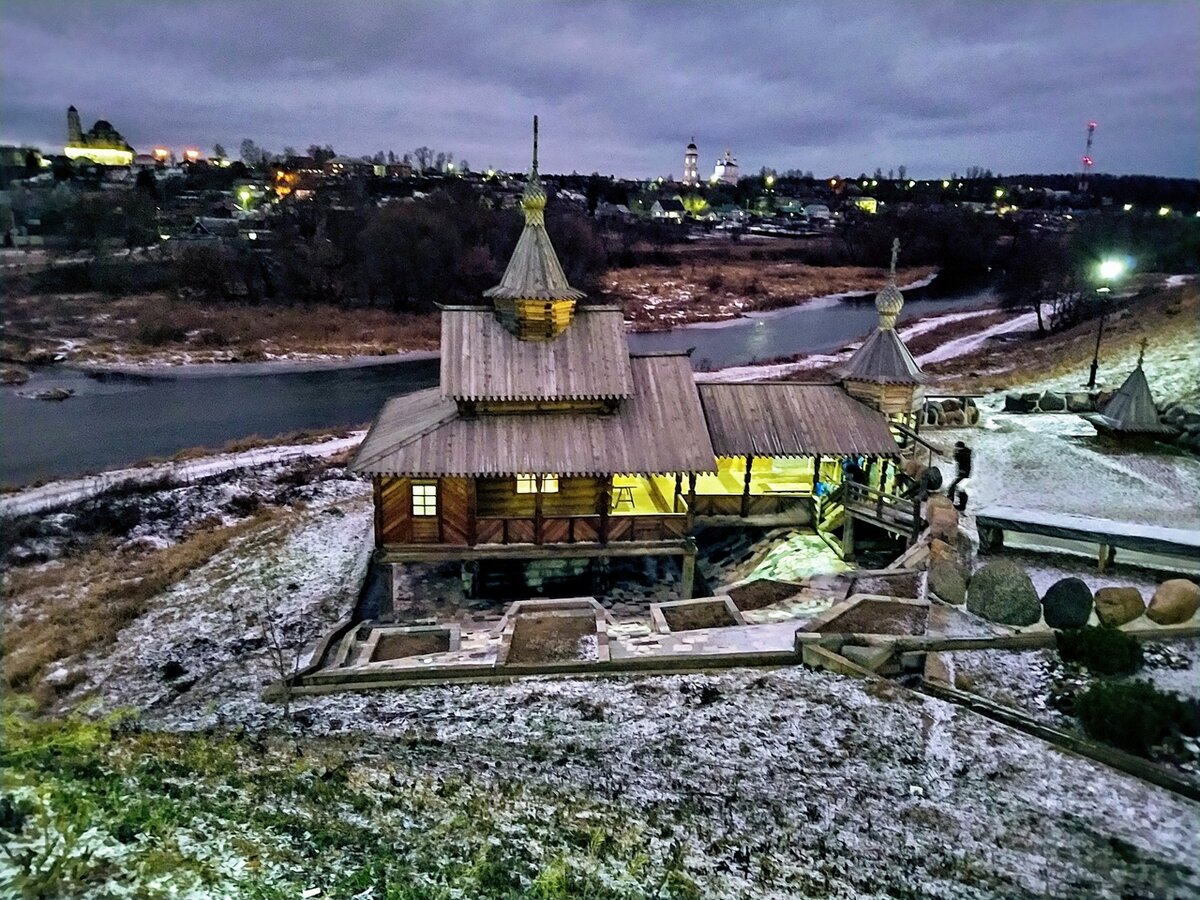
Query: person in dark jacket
(962,466)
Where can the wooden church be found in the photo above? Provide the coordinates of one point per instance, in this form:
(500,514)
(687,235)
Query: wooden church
(547,438)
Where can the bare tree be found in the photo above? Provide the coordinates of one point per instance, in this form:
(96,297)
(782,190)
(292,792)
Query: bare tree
(279,654)
(424,157)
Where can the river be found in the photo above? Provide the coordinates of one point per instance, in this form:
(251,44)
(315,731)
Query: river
(117,419)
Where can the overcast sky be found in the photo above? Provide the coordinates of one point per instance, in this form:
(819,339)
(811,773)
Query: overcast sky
(837,88)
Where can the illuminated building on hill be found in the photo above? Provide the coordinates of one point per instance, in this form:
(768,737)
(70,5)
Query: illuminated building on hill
(102,143)
(726,169)
(691,160)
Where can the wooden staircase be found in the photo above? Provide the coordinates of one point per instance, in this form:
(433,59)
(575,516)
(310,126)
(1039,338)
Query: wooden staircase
(851,502)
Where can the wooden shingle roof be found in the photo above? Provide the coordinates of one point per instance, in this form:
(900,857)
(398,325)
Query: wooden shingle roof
(792,419)
(883,359)
(481,360)
(659,429)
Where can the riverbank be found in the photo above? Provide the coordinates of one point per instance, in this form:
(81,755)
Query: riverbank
(659,298)
(156,333)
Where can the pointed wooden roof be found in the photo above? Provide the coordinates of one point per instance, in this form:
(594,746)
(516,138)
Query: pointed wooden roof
(883,358)
(1131,411)
(534,272)
(659,429)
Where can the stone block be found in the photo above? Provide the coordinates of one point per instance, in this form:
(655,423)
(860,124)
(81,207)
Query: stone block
(1002,592)
(1117,606)
(1067,603)
(1080,401)
(1052,402)
(1174,602)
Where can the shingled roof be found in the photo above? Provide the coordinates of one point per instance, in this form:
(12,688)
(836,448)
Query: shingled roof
(792,419)
(1131,411)
(481,360)
(659,429)
(883,359)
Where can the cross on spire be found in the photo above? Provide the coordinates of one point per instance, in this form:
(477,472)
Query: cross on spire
(1142,352)
(535,143)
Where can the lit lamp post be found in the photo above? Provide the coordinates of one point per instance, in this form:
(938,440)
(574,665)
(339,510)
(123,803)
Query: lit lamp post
(1110,270)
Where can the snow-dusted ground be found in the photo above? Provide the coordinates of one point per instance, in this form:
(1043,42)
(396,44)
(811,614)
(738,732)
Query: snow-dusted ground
(56,494)
(299,576)
(1056,463)
(770,784)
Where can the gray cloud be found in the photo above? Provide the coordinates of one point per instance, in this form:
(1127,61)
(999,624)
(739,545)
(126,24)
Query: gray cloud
(832,87)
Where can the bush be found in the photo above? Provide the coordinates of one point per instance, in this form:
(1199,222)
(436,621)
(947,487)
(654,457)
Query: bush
(1103,650)
(1135,716)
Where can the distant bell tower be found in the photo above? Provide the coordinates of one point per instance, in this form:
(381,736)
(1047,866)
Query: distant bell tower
(691,165)
(74,128)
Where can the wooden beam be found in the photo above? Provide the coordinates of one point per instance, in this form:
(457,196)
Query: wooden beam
(605,504)
(678,491)
(450,552)
(746,485)
(691,501)
(377,499)
(537,509)
(687,581)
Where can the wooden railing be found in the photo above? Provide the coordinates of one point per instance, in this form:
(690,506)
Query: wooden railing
(888,510)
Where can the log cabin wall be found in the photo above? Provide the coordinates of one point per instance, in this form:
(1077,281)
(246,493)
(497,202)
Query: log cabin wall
(396,524)
(574,497)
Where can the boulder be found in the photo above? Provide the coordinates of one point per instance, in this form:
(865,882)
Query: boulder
(947,581)
(914,469)
(943,518)
(1052,402)
(1102,398)
(957,417)
(1002,592)
(972,414)
(1079,401)
(1174,602)
(1019,403)
(952,405)
(1117,606)
(940,551)
(1190,421)
(1067,604)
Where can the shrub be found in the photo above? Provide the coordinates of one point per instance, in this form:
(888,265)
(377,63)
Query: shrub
(1102,649)
(1135,716)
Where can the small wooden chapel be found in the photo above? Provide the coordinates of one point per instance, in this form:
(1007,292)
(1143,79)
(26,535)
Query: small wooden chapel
(547,438)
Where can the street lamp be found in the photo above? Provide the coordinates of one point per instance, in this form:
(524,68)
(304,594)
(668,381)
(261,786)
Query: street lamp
(1110,270)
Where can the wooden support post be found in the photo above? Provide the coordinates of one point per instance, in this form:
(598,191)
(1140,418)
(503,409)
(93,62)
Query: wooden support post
(746,486)
(687,580)
(377,499)
(605,503)
(678,491)
(1107,554)
(537,509)
(472,513)
(691,501)
(847,536)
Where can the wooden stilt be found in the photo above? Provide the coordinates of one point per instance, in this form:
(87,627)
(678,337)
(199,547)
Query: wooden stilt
(746,487)
(687,581)
(691,501)
(847,536)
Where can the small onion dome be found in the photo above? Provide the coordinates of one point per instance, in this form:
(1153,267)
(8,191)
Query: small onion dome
(534,195)
(889,302)
(692,145)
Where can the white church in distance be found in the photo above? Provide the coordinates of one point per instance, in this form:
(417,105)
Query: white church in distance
(725,171)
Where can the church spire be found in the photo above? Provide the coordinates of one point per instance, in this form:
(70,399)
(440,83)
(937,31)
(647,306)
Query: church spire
(890,301)
(534,299)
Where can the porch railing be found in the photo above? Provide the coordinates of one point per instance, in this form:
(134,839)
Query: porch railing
(579,529)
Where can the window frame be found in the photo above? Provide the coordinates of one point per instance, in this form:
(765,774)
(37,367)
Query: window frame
(536,484)
(424,499)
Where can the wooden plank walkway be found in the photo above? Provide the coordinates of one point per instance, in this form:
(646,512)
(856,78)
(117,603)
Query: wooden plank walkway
(993,521)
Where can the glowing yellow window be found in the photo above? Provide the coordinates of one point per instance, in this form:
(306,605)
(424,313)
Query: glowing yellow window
(528,484)
(424,499)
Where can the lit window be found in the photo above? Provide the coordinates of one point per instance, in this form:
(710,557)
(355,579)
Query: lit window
(424,499)
(528,484)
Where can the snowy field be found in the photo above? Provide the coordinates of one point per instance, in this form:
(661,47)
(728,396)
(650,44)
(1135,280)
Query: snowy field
(1056,463)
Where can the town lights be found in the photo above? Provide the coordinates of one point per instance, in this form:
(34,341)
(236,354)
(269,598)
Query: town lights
(945,184)
(1110,270)
(161,152)
(770,179)
(999,193)
(1164,210)
(1128,207)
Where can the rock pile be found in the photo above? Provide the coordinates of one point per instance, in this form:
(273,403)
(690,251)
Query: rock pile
(950,412)
(1186,420)
(1052,401)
